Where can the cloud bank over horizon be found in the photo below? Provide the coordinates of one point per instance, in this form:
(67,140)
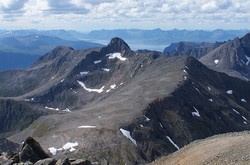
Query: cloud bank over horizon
(111,14)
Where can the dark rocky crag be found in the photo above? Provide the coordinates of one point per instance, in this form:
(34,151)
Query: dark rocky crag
(127,107)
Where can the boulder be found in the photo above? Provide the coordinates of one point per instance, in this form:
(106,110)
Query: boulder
(47,161)
(81,162)
(63,161)
(32,151)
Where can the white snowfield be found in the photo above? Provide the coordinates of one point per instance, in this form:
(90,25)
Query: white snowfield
(230,92)
(196,113)
(171,141)
(52,150)
(216,61)
(243,100)
(112,86)
(127,134)
(53,109)
(68,146)
(66,110)
(236,111)
(116,55)
(89,89)
(106,69)
(87,126)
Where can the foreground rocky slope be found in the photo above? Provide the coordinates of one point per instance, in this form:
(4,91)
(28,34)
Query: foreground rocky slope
(124,106)
(231,148)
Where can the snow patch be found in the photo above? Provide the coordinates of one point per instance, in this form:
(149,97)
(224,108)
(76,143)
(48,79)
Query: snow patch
(171,141)
(89,89)
(112,86)
(106,69)
(127,134)
(53,109)
(87,126)
(147,119)
(197,90)
(62,80)
(245,122)
(32,99)
(52,150)
(236,111)
(121,83)
(209,88)
(98,61)
(141,125)
(229,92)
(244,118)
(70,146)
(248,60)
(84,73)
(116,55)
(211,100)
(243,100)
(196,113)
(161,125)
(184,71)
(216,61)
(107,91)
(185,77)
(66,110)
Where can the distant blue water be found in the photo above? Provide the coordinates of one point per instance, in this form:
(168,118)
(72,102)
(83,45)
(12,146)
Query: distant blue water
(135,45)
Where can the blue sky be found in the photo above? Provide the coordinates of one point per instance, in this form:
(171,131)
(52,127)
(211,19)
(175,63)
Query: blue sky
(86,15)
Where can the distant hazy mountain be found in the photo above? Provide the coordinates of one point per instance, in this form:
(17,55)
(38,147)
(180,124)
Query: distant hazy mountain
(21,51)
(64,34)
(158,36)
(39,45)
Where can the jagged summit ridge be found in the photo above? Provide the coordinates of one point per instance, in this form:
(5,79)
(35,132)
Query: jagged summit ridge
(233,58)
(118,44)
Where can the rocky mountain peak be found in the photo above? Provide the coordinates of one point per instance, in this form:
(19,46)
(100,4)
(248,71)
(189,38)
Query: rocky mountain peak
(118,44)
(58,51)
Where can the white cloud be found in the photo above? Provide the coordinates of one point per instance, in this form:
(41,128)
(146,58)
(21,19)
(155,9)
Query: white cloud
(11,5)
(127,12)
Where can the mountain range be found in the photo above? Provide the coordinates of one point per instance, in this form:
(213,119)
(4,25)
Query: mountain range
(230,57)
(21,51)
(20,48)
(129,107)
